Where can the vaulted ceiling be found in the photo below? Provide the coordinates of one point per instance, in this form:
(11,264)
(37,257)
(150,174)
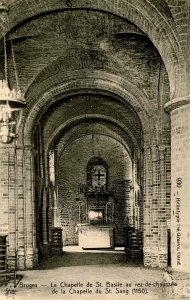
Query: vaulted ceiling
(76,59)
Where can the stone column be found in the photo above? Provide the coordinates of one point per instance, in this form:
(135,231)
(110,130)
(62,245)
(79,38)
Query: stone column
(10,182)
(130,203)
(4,190)
(162,209)
(155,211)
(154,206)
(45,217)
(146,207)
(150,247)
(17,205)
(180,189)
(29,209)
(20,226)
(8,211)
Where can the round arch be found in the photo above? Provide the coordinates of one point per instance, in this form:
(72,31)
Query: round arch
(79,133)
(78,86)
(148,16)
(92,117)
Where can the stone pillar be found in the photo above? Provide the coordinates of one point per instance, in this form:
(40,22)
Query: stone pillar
(11,194)
(130,203)
(180,189)
(147,205)
(4,190)
(9,177)
(17,205)
(20,228)
(52,207)
(151,190)
(162,209)
(45,217)
(29,209)
(155,208)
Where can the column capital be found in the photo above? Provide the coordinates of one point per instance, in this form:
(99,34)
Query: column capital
(177,102)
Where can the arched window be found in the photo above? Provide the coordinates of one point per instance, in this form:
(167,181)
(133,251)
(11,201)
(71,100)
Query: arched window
(97,173)
(99,176)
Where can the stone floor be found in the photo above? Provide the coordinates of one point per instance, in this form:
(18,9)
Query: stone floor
(87,276)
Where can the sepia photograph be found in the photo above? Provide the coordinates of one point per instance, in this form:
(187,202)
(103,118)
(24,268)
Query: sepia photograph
(94,149)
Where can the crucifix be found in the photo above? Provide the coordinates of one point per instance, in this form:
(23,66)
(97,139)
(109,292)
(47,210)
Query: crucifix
(98,175)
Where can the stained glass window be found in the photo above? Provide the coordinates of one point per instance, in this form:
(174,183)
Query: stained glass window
(98,175)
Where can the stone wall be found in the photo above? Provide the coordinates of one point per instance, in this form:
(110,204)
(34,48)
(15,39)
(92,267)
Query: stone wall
(156,205)
(72,171)
(180,187)
(18,206)
(107,47)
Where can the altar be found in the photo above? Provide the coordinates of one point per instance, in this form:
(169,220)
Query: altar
(96,228)
(96,236)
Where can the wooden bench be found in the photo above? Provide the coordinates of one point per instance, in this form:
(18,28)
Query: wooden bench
(133,242)
(5,274)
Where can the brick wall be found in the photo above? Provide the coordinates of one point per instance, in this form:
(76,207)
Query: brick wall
(154,18)
(179,11)
(93,49)
(91,105)
(55,49)
(4,191)
(156,204)
(72,171)
(17,213)
(180,187)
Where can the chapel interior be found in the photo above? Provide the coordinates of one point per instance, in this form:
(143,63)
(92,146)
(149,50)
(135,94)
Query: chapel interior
(94,129)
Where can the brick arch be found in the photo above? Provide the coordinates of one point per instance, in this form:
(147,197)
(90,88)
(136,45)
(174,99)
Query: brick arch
(47,84)
(90,117)
(124,144)
(76,61)
(88,74)
(148,16)
(123,91)
(80,132)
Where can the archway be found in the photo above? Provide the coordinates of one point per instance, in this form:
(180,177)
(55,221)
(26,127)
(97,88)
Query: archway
(145,15)
(74,145)
(121,84)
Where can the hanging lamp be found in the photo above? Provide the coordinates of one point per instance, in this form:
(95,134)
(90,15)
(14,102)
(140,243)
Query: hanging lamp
(11,101)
